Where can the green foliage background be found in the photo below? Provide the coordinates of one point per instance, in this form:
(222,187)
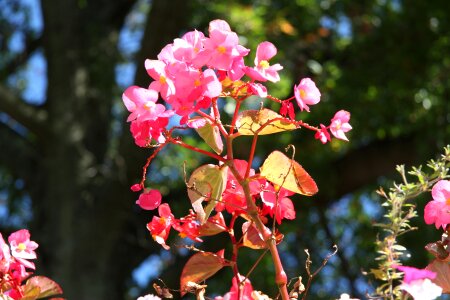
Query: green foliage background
(385,61)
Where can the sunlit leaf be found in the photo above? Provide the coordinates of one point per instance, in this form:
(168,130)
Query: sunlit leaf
(211,135)
(250,121)
(442,270)
(207,183)
(283,171)
(251,237)
(200,267)
(214,225)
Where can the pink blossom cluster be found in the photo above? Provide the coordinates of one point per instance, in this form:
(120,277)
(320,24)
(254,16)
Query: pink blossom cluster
(191,72)
(437,211)
(14,262)
(418,283)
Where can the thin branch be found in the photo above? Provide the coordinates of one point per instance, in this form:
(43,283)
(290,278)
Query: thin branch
(29,116)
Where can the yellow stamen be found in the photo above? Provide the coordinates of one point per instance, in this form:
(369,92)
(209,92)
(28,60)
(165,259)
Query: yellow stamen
(197,83)
(21,246)
(221,49)
(148,105)
(302,94)
(162,220)
(162,79)
(182,235)
(264,64)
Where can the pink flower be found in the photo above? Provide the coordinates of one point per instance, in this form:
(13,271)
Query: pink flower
(163,82)
(21,246)
(287,109)
(160,226)
(222,45)
(263,71)
(142,104)
(323,135)
(339,124)
(136,187)
(306,93)
(418,284)
(284,209)
(234,292)
(437,211)
(144,132)
(258,89)
(149,199)
(234,197)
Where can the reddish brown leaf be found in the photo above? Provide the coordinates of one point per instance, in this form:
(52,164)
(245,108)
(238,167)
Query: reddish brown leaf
(213,226)
(43,285)
(252,238)
(442,270)
(200,267)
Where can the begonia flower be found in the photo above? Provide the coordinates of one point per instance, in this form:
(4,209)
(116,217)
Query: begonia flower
(339,124)
(287,109)
(163,82)
(221,46)
(21,245)
(234,197)
(149,199)
(149,297)
(417,283)
(160,226)
(144,132)
(142,104)
(263,71)
(306,93)
(437,211)
(323,135)
(283,208)
(235,291)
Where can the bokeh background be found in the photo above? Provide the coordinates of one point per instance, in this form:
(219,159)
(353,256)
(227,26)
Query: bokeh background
(67,159)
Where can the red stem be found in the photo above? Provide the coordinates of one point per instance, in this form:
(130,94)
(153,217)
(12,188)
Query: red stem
(252,210)
(193,148)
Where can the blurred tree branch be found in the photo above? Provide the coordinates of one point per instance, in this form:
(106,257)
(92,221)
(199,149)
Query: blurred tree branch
(29,116)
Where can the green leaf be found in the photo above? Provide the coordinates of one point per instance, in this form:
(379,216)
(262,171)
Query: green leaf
(250,122)
(211,135)
(283,171)
(207,183)
(200,267)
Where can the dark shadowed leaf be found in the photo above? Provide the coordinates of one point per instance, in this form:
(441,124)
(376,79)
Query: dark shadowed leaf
(200,267)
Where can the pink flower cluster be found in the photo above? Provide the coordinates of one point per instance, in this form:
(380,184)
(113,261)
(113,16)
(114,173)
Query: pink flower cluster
(14,262)
(417,283)
(437,211)
(190,72)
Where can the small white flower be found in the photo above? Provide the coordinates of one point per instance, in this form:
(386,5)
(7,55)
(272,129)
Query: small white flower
(149,297)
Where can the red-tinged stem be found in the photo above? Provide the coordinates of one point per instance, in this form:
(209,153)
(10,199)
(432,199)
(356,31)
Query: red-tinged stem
(193,148)
(149,160)
(235,115)
(251,156)
(278,100)
(235,251)
(215,121)
(252,210)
